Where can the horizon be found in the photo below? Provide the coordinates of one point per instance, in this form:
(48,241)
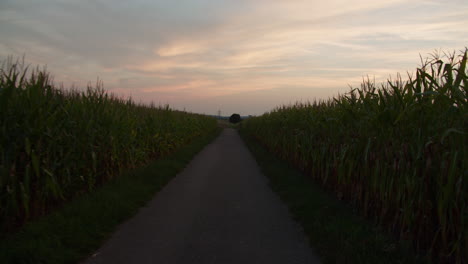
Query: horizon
(245,57)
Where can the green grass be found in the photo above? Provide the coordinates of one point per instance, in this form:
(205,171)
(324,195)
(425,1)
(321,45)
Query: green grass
(75,230)
(397,152)
(336,233)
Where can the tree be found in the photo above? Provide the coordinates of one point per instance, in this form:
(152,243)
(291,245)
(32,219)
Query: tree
(235,118)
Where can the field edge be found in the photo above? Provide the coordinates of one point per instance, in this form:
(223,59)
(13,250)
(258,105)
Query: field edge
(73,232)
(335,232)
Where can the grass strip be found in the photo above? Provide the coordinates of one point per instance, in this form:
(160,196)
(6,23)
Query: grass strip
(336,233)
(72,232)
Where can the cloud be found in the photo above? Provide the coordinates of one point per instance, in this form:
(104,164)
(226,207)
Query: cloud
(187,52)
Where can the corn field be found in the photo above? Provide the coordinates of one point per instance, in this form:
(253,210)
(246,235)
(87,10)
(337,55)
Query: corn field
(397,151)
(57,144)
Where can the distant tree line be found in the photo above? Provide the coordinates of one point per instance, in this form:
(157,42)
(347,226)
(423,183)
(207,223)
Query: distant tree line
(235,118)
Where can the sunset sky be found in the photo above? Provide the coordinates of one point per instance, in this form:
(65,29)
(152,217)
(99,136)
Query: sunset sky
(243,56)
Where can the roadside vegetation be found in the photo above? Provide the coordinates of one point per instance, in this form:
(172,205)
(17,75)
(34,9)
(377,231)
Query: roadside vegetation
(336,233)
(56,144)
(76,230)
(397,153)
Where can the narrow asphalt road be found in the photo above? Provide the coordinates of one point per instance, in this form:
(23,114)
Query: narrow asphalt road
(220,209)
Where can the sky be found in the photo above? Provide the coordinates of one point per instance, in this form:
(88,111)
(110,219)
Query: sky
(229,56)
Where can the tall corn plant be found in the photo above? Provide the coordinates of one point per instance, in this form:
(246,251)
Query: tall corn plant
(57,144)
(399,152)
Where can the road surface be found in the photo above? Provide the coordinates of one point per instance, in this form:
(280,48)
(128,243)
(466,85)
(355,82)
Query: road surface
(220,209)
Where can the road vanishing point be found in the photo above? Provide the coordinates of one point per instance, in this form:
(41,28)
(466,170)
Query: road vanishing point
(219,209)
